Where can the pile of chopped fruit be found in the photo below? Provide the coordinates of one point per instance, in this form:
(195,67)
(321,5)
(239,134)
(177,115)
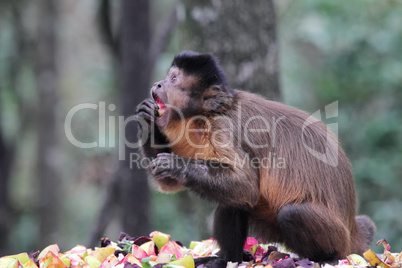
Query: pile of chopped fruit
(159,251)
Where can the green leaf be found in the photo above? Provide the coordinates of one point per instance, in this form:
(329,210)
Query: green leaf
(145,262)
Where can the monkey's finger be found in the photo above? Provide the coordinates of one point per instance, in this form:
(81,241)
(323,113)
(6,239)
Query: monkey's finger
(145,108)
(149,110)
(164,157)
(161,171)
(148,105)
(161,164)
(146,111)
(158,167)
(146,116)
(140,105)
(158,163)
(151,104)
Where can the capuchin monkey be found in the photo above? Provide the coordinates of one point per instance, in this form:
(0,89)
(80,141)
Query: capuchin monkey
(271,168)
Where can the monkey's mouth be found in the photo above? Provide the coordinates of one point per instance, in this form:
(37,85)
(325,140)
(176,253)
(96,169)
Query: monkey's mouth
(160,103)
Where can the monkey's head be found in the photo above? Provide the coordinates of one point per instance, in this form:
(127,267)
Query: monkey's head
(195,85)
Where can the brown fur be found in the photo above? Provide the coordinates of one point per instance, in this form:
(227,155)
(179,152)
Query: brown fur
(190,140)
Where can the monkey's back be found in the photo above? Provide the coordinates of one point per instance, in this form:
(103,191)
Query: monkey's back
(307,164)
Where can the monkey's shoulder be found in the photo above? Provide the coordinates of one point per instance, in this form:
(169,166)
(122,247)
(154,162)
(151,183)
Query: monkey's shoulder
(253,107)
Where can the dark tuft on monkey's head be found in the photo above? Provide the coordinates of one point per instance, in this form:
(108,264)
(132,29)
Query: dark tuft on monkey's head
(204,66)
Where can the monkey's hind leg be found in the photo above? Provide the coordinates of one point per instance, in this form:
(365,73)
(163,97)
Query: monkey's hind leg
(230,230)
(313,232)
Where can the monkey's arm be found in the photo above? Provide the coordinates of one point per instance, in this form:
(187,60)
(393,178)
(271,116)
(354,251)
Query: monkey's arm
(152,140)
(224,183)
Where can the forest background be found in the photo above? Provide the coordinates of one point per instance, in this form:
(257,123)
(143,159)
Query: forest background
(55,55)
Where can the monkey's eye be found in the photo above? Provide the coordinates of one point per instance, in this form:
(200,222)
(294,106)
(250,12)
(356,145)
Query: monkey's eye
(173,79)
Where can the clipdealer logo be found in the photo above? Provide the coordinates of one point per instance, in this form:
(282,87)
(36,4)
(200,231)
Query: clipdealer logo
(330,156)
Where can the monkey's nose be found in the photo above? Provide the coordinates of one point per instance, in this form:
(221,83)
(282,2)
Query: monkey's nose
(157,85)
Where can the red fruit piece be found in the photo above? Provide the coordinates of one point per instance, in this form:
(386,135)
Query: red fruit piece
(139,253)
(251,244)
(172,247)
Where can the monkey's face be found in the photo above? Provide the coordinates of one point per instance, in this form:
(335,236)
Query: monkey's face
(172,95)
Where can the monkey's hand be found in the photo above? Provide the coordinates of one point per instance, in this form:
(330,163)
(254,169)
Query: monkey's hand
(173,167)
(217,181)
(147,110)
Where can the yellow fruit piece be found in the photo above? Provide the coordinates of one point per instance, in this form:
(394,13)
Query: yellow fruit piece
(193,244)
(8,262)
(389,256)
(22,257)
(373,259)
(133,260)
(149,247)
(110,261)
(355,259)
(51,261)
(187,262)
(102,253)
(79,250)
(52,248)
(66,261)
(30,264)
(163,258)
(92,261)
(160,238)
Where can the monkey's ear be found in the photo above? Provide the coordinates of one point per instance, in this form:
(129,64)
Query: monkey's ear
(217,99)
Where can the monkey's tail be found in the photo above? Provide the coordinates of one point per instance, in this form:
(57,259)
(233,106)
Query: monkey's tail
(366,230)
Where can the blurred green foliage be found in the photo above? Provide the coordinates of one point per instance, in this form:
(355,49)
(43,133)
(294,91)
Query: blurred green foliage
(350,51)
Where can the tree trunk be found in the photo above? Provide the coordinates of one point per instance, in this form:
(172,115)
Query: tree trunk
(6,156)
(9,145)
(47,159)
(242,35)
(137,59)
(135,76)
